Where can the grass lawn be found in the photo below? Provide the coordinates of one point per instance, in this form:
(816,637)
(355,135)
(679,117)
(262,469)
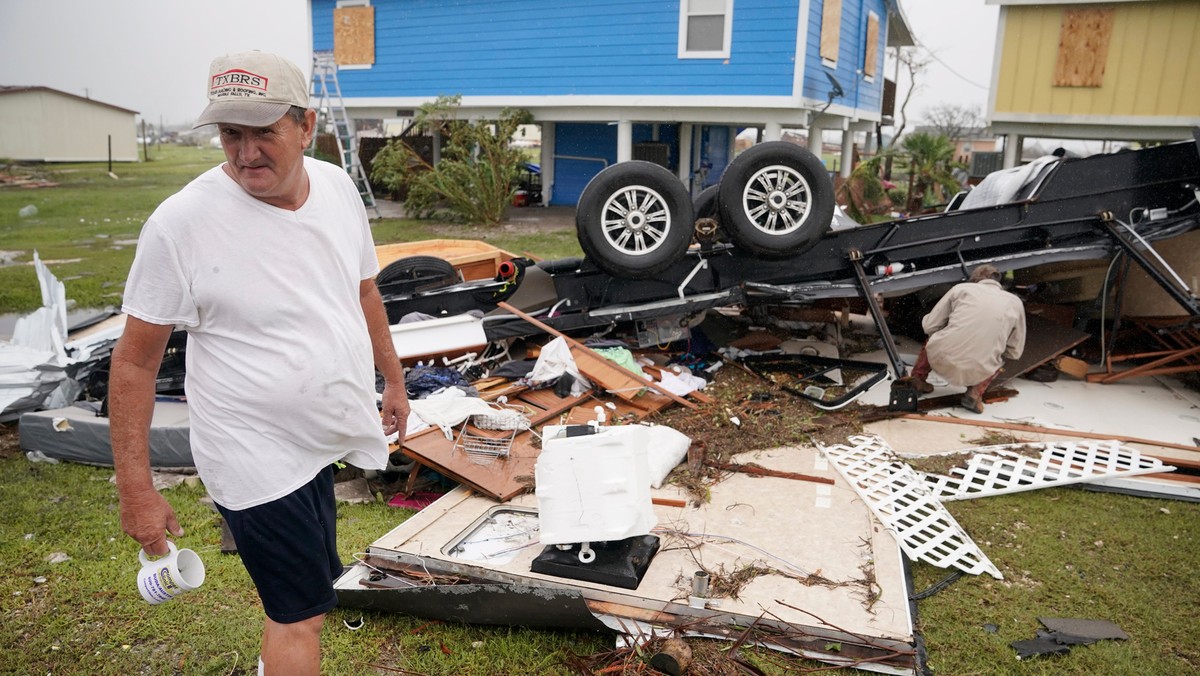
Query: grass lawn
(1063,552)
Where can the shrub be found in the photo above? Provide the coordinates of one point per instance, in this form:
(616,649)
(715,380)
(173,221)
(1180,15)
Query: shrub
(475,177)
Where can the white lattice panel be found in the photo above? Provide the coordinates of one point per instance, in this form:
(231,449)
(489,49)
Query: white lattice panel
(906,506)
(996,470)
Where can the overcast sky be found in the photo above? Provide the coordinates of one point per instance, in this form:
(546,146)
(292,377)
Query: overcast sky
(152,56)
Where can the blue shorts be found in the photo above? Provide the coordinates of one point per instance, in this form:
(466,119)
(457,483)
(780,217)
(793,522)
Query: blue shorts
(289,547)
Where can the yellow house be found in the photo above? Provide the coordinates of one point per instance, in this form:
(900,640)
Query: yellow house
(1126,70)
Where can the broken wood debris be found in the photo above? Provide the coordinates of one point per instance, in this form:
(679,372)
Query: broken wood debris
(763,471)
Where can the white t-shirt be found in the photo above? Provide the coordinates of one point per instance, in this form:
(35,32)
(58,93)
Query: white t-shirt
(280,369)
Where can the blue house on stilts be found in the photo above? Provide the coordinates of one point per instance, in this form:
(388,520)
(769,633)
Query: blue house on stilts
(672,82)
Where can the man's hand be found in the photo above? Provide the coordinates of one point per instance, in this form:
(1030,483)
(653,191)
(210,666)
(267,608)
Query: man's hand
(147,517)
(394,410)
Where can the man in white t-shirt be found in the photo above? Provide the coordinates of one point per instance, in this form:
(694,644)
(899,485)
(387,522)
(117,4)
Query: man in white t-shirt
(267,262)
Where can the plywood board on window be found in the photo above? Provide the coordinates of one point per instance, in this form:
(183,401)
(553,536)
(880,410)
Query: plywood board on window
(1083,47)
(831,29)
(354,36)
(872,55)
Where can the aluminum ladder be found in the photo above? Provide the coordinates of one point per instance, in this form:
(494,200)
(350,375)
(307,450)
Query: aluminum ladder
(333,119)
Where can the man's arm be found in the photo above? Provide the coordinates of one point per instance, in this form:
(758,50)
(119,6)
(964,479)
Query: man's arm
(145,514)
(395,396)
(939,316)
(1015,346)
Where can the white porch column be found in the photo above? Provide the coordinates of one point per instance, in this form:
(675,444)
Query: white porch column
(847,162)
(772,131)
(869,144)
(1012,150)
(547,162)
(685,154)
(624,141)
(815,132)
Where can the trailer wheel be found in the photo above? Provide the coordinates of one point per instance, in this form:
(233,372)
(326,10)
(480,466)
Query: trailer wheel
(776,199)
(634,219)
(416,273)
(706,204)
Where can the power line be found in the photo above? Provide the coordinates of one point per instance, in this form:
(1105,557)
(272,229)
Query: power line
(945,65)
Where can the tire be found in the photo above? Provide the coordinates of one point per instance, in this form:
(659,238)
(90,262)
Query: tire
(776,200)
(416,273)
(706,204)
(634,219)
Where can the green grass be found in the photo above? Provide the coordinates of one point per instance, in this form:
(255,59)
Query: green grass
(86,226)
(87,617)
(1071,553)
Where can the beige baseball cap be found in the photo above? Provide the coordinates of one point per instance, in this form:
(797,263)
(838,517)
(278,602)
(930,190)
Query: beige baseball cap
(252,88)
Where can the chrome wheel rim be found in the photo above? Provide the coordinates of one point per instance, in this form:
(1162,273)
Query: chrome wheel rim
(776,200)
(635,220)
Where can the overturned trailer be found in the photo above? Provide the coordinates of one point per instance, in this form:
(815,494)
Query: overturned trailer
(763,236)
(833,587)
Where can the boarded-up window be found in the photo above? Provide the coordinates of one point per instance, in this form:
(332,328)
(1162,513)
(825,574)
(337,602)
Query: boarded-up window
(831,29)
(1083,47)
(354,36)
(872,54)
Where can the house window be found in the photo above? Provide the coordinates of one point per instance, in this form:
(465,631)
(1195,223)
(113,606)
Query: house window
(705,27)
(872,48)
(354,34)
(831,31)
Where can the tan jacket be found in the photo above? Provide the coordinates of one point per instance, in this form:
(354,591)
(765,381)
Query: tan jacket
(972,329)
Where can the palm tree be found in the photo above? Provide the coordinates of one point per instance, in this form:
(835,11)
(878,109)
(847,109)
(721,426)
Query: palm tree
(930,164)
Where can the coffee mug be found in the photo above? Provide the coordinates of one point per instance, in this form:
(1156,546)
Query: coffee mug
(169,576)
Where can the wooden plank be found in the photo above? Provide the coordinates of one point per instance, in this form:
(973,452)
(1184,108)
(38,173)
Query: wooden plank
(1033,429)
(354,35)
(630,612)
(623,383)
(473,258)
(500,478)
(872,47)
(831,29)
(763,471)
(1044,340)
(602,363)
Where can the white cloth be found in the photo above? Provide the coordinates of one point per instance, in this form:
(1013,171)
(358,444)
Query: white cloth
(554,360)
(682,383)
(448,410)
(280,370)
(972,329)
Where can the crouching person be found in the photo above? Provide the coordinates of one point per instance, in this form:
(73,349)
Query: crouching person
(971,330)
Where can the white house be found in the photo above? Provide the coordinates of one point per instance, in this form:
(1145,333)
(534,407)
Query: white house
(46,125)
